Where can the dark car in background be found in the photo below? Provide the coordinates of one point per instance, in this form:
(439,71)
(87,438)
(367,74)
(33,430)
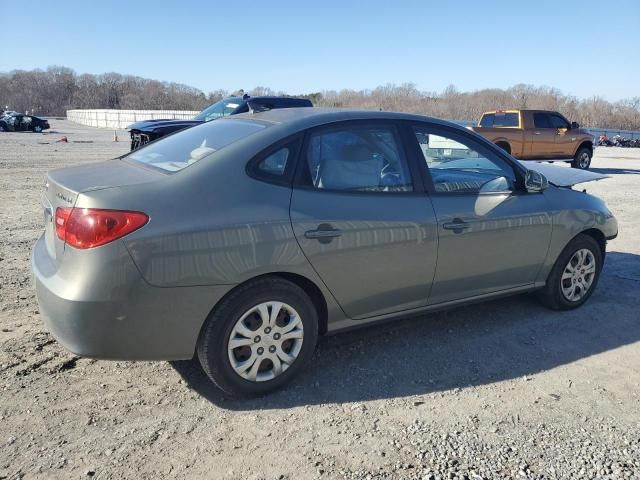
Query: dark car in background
(19,122)
(149,130)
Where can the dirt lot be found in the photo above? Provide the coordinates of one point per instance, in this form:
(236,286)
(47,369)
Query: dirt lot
(505,389)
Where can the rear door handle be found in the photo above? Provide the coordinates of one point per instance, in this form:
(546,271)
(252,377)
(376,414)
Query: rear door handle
(456,225)
(324,233)
(537,133)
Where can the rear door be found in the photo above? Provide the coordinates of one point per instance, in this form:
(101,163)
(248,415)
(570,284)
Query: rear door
(360,215)
(493,236)
(542,137)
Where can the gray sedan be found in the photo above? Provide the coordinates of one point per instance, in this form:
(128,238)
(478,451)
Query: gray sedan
(243,240)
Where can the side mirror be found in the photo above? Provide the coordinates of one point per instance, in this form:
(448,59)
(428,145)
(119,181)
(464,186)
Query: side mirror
(535,181)
(575,125)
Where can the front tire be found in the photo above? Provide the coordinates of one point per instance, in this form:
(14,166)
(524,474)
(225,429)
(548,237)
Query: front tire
(582,159)
(259,337)
(574,275)
(37,129)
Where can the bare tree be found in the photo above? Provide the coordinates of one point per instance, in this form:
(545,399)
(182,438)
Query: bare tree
(56,89)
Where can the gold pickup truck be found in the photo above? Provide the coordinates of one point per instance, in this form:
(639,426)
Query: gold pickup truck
(538,135)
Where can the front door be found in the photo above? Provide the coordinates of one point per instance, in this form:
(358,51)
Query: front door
(364,227)
(492,235)
(543,136)
(565,138)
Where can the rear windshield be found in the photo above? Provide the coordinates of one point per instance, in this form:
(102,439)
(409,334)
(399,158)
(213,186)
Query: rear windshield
(500,120)
(180,150)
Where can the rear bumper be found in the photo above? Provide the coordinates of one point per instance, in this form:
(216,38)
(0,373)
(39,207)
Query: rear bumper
(130,321)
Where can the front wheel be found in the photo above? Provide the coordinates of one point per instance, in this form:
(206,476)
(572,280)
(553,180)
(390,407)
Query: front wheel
(582,159)
(259,337)
(37,129)
(574,276)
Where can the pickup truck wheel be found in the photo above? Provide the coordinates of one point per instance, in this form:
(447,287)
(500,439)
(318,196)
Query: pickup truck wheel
(582,160)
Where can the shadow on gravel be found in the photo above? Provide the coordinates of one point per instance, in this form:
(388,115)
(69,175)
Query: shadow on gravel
(475,345)
(615,171)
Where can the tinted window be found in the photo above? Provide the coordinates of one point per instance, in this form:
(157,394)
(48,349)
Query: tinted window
(455,166)
(180,150)
(357,159)
(542,120)
(558,122)
(219,109)
(500,120)
(276,163)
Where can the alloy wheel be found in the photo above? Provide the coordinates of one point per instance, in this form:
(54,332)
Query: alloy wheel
(265,341)
(578,275)
(583,161)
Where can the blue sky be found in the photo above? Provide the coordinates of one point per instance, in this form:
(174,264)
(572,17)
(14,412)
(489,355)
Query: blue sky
(584,48)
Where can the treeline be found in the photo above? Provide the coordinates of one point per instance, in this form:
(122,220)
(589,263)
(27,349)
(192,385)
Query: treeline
(57,89)
(455,105)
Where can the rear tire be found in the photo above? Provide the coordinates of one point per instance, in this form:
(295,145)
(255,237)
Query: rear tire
(271,350)
(569,272)
(582,159)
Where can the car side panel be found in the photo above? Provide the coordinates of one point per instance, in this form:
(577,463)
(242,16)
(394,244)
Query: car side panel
(571,215)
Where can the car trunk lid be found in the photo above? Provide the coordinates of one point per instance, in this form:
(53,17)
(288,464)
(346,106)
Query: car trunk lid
(63,186)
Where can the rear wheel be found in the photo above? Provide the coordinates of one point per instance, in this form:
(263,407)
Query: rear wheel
(574,276)
(582,159)
(259,337)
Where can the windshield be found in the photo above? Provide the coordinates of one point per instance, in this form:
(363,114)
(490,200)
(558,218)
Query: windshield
(219,109)
(177,151)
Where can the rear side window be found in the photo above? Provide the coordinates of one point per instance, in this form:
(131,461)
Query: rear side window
(175,152)
(500,120)
(357,158)
(542,120)
(276,163)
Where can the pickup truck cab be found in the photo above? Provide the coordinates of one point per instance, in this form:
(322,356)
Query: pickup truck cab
(538,135)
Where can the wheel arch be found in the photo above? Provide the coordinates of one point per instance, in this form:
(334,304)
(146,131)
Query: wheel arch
(585,144)
(598,236)
(309,287)
(504,144)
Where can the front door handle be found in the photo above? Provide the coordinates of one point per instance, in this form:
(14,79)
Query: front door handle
(457,225)
(324,233)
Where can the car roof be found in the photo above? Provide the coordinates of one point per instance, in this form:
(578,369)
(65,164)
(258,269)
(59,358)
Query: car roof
(305,117)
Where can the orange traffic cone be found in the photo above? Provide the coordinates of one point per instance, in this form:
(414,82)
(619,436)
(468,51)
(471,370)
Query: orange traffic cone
(62,140)
(115,136)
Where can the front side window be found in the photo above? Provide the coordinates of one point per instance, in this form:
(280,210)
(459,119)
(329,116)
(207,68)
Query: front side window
(357,158)
(558,122)
(542,120)
(456,166)
(188,146)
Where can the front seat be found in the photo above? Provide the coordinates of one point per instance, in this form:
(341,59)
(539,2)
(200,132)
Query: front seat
(355,168)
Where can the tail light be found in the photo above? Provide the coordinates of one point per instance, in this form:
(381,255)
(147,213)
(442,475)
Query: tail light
(92,227)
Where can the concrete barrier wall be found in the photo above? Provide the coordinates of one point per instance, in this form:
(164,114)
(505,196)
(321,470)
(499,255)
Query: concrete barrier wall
(119,119)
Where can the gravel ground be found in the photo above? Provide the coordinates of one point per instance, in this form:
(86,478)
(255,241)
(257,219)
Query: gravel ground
(505,389)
